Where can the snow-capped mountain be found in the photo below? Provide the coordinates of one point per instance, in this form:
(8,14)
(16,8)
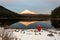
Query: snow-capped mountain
(27,12)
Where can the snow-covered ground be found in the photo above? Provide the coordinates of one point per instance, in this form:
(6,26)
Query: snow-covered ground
(32,34)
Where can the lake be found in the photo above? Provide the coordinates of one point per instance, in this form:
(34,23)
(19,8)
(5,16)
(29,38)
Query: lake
(34,25)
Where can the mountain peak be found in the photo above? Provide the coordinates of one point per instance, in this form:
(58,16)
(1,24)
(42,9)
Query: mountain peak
(27,12)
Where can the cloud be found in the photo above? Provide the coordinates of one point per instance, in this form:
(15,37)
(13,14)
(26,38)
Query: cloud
(15,1)
(9,1)
(29,1)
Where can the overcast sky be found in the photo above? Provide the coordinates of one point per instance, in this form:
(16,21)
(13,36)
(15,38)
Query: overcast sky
(40,6)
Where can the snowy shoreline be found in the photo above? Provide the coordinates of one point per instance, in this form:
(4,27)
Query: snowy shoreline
(30,34)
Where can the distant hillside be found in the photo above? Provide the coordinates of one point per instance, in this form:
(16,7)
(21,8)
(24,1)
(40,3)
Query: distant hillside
(7,17)
(5,13)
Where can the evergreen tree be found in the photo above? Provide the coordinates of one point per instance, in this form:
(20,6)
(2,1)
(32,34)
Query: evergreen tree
(55,17)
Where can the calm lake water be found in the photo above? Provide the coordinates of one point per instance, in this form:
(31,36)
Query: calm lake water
(33,25)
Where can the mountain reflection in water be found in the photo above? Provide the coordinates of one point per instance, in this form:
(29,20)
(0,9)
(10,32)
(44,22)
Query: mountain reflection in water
(33,25)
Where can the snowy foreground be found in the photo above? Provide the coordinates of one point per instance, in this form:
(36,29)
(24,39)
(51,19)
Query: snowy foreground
(31,34)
